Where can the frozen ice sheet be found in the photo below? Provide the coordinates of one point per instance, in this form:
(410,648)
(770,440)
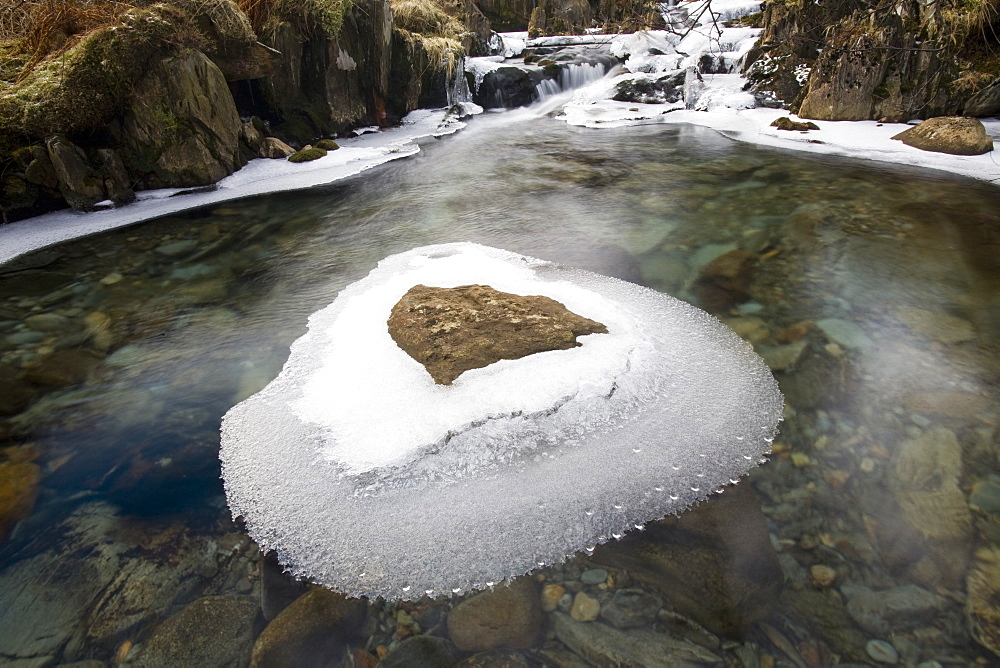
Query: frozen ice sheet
(543,456)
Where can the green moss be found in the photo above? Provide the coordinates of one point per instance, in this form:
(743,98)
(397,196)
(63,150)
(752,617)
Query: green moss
(307,154)
(314,18)
(881,92)
(327,145)
(81,89)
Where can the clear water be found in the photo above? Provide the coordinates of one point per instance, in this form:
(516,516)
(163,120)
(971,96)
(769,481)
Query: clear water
(875,288)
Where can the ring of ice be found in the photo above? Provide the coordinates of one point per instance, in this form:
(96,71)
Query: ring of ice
(367,477)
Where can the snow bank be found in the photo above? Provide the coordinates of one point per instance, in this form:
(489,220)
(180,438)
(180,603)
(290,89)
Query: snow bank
(258,177)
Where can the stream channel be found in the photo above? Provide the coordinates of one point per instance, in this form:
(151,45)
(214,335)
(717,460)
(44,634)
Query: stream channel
(872,291)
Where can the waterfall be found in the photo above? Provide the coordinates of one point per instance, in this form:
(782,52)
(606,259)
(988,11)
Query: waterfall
(571,77)
(458,89)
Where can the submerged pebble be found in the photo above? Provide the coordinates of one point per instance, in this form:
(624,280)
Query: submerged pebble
(881,651)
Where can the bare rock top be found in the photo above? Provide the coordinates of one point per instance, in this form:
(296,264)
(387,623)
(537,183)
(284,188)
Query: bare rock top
(957,135)
(452,330)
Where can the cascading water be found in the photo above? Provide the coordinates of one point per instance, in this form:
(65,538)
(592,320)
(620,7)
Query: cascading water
(571,77)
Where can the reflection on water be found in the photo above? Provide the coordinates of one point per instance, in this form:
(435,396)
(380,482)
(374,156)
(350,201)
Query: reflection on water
(873,535)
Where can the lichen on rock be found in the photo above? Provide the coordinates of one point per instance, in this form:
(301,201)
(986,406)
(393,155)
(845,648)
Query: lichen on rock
(452,330)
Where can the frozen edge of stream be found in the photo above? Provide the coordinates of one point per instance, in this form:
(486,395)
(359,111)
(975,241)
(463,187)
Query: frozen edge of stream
(589,106)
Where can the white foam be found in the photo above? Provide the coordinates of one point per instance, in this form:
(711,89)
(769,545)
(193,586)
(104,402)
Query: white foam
(340,466)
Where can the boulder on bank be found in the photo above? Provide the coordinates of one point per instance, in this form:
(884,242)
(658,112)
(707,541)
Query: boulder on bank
(274,148)
(452,330)
(181,128)
(956,135)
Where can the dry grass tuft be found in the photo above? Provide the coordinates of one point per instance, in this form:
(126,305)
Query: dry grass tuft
(426,18)
(39,28)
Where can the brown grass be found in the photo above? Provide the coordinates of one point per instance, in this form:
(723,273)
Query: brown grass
(39,28)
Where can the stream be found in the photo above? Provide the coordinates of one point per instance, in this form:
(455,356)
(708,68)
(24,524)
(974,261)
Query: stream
(873,292)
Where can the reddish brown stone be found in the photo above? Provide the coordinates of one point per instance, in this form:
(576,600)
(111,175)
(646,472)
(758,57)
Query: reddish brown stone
(452,330)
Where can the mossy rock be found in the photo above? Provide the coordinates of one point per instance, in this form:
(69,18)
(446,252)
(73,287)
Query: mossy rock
(81,89)
(307,154)
(327,145)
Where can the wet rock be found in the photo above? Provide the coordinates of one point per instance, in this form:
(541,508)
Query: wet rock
(551,595)
(957,135)
(495,659)
(785,123)
(107,589)
(985,496)
(631,607)
(714,563)
(452,330)
(585,608)
(422,650)
(506,87)
(64,367)
(941,327)
(782,357)
(278,589)
(844,333)
(16,394)
(892,609)
(593,576)
(948,404)
(605,646)
(47,322)
(981,609)
(821,576)
(725,281)
(507,616)
(18,492)
(830,620)
(643,89)
(209,631)
(275,149)
(81,185)
(749,328)
(175,248)
(314,630)
(925,482)
(882,652)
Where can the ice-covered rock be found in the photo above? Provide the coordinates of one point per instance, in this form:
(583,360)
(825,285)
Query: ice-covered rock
(369,478)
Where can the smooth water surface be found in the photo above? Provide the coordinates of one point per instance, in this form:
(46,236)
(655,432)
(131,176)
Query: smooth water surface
(873,292)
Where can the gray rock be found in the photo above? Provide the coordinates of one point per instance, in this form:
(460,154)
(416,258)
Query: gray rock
(602,645)
(782,357)
(506,616)
(631,607)
(844,333)
(882,652)
(893,609)
(79,182)
(181,127)
(316,628)
(46,322)
(274,148)
(209,631)
(714,563)
(107,591)
(175,248)
(24,338)
(957,135)
(423,650)
(985,496)
(593,576)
